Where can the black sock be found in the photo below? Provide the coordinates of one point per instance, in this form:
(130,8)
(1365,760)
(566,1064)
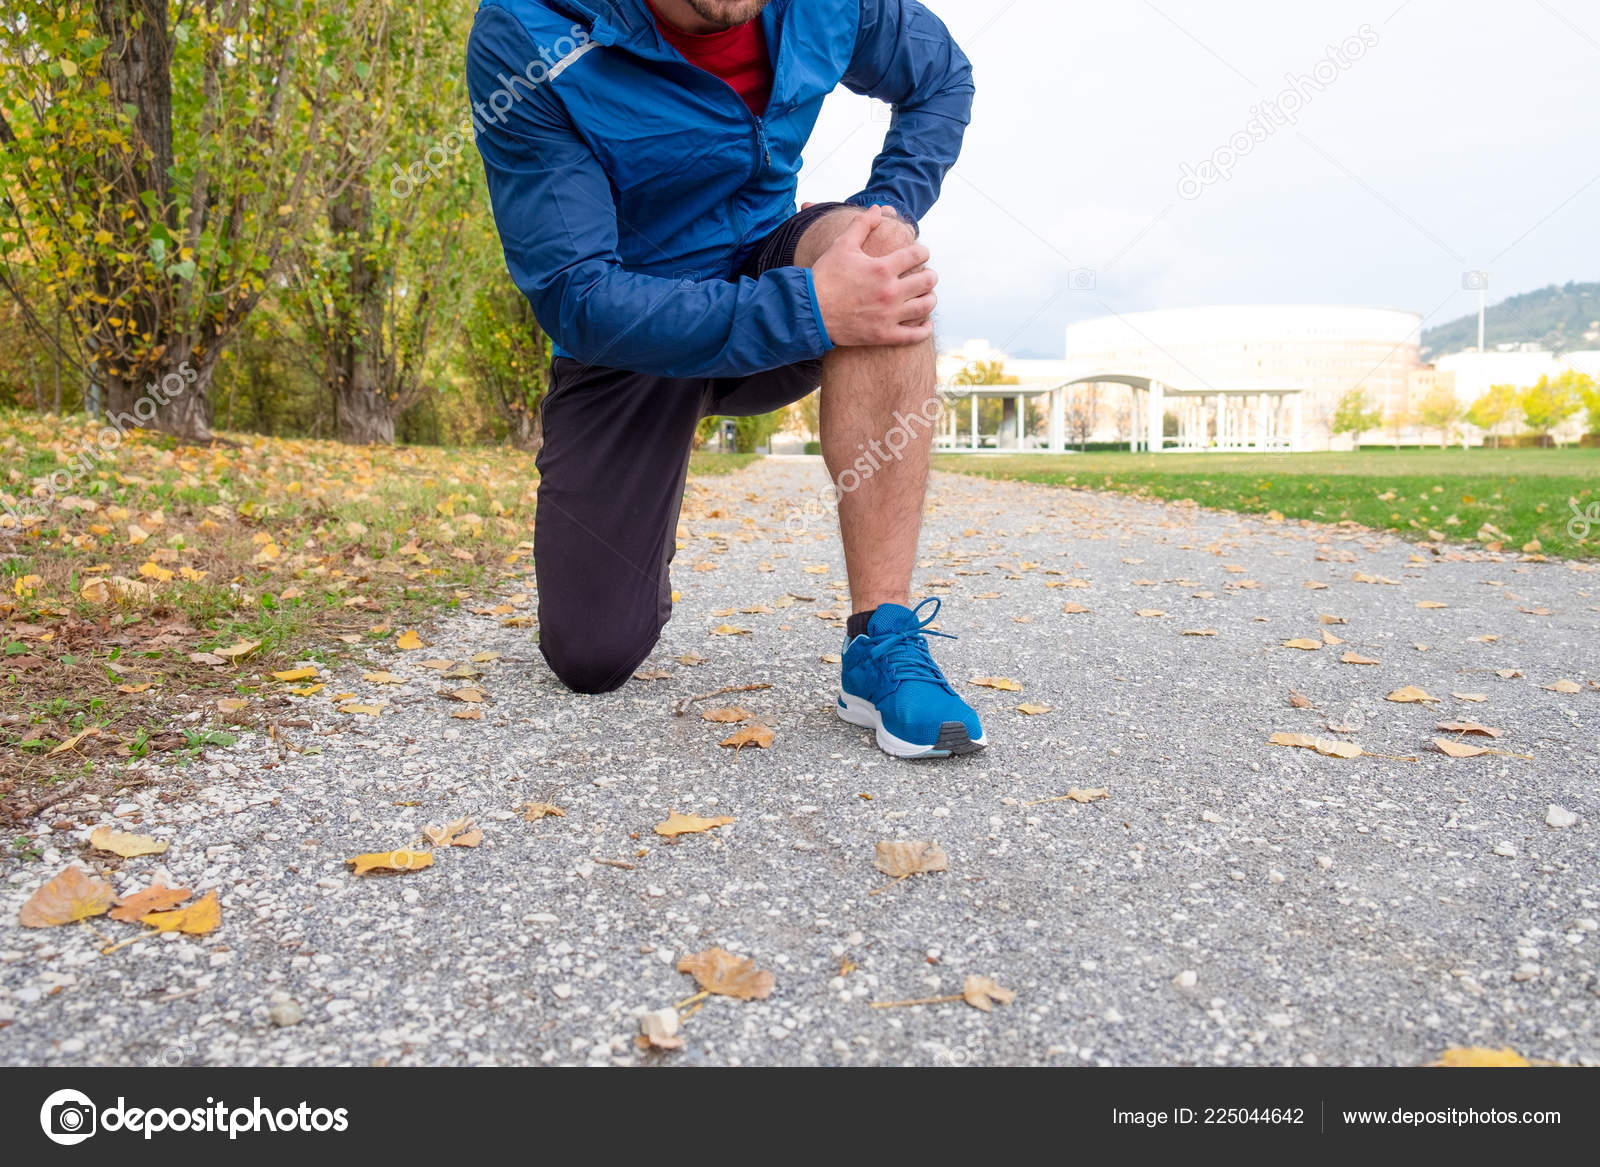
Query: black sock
(857,624)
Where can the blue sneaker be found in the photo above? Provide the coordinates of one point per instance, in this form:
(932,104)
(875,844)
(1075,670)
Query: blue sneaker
(889,683)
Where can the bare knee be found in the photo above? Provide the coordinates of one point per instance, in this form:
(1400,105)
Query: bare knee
(889,235)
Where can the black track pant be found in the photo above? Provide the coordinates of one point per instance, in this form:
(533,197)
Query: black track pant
(611,474)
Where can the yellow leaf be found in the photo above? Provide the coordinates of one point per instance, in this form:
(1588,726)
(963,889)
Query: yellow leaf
(401,860)
(1355,658)
(1431,604)
(727,714)
(384,678)
(1003,683)
(197,919)
(1199,632)
(1562,686)
(139,688)
(459,833)
(535,811)
(717,970)
(1470,696)
(25,584)
(1332,749)
(72,742)
(96,592)
(1409,694)
(470,695)
(193,576)
(484,657)
(688,824)
(72,895)
(128,846)
(300,674)
(1470,727)
(1476,1055)
(306,690)
(155,898)
(751,735)
(1303,642)
(153,570)
(353,707)
(1074,609)
(1150,612)
(467,714)
(729,630)
(409,641)
(1032,709)
(238,651)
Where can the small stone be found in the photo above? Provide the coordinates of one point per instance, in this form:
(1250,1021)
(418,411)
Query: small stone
(562,991)
(286,1013)
(1187,979)
(1559,817)
(659,1023)
(1509,850)
(1325,861)
(1274,876)
(1279,1020)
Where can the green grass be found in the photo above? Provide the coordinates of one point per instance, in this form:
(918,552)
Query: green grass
(1524,496)
(703,463)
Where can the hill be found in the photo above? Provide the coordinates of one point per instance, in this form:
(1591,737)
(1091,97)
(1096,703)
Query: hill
(1556,317)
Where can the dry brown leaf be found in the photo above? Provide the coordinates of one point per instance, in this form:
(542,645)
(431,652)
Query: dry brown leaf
(1326,619)
(400,860)
(902,857)
(1460,749)
(1073,609)
(384,678)
(72,895)
(72,742)
(155,898)
(1330,638)
(128,846)
(729,630)
(1355,658)
(356,707)
(1033,709)
(469,695)
(1431,604)
(467,714)
(197,919)
(1470,727)
(1075,794)
(238,651)
(716,970)
(534,811)
(1562,686)
(688,824)
(1199,632)
(751,735)
(982,993)
(1470,696)
(1477,1055)
(728,714)
(1409,694)
(1003,683)
(1304,643)
(1150,612)
(1298,700)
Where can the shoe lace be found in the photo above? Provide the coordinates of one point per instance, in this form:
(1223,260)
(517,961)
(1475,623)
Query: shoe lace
(904,654)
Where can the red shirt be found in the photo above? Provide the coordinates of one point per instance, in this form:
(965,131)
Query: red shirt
(738,55)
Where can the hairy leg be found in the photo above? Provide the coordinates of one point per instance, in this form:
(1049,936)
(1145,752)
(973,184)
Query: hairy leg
(879,409)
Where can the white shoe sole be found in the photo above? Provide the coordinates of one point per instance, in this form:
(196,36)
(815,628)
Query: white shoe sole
(860,711)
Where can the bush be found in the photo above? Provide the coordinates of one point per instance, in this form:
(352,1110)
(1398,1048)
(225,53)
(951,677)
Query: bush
(813,447)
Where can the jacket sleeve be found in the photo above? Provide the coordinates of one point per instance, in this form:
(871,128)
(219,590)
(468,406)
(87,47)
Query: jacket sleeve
(557,218)
(904,55)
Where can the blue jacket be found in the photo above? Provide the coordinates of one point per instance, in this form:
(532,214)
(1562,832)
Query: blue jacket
(628,184)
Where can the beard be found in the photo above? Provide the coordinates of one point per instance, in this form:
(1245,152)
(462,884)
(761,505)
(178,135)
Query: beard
(727,13)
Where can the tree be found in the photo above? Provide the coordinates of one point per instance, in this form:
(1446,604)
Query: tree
(1589,394)
(1355,415)
(1397,421)
(1549,403)
(154,216)
(1440,410)
(507,356)
(382,286)
(1494,408)
(1083,412)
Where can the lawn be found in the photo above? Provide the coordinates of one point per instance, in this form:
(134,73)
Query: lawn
(1523,499)
(146,609)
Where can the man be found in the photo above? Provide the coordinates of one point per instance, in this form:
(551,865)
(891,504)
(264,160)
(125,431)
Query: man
(642,159)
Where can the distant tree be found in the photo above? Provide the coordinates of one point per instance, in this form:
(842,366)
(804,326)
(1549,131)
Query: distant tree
(1083,412)
(1355,415)
(1440,410)
(1589,392)
(1396,422)
(507,357)
(1493,409)
(984,373)
(1550,402)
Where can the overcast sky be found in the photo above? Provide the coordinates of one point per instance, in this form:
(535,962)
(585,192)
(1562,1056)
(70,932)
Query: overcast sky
(1459,137)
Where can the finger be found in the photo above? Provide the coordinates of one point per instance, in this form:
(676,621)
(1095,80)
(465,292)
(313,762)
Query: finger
(807,206)
(907,258)
(918,283)
(903,334)
(919,309)
(856,232)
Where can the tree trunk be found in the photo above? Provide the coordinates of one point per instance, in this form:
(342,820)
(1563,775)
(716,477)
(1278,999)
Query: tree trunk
(364,412)
(527,429)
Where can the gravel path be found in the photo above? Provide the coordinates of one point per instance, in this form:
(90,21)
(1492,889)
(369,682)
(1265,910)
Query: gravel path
(1230,901)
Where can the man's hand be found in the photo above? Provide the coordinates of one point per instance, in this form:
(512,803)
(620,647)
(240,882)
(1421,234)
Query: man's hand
(868,299)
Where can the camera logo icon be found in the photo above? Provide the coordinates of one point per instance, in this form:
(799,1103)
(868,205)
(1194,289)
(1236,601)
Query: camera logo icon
(68,1117)
(1474,281)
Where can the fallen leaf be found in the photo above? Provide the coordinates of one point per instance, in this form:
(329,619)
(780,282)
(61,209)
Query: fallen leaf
(458,833)
(688,824)
(728,714)
(1304,643)
(300,674)
(467,714)
(1355,658)
(72,895)
(238,651)
(1326,619)
(1073,609)
(716,970)
(1075,794)
(1469,727)
(197,919)
(1032,709)
(1004,683)
(982,993)
(1459,749)
(354,707)
(1470,696)
(751,735)
(1477,1055)
(400,860)
(900,858)
(469,695)
(155,898)
(72,742)
(1298,700)
(1431,604)
(1562,686)
(1150,612)
(1407,694)
(306,690)
(1322,745)
(1199,632)
(729,630)
(105,839)
(409,641)
(383,678)
(534,811)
